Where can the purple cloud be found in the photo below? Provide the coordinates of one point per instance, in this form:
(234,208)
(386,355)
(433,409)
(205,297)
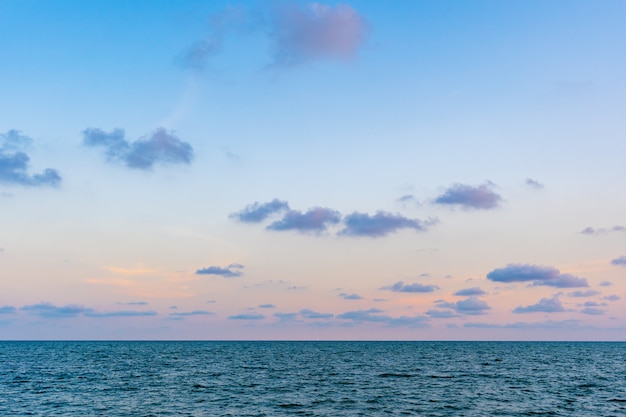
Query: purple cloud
(534,184)
(380,224)
(229,272)
(8,310)
(49,310)
(466,196)
(181,315)
(540,275)
(472,306)
(350,296)
(588,293)
(257,212)
(545,305)
(400,286)
(302,33)
(601,230)
(441,314)
(470,291)
(314,220)
(122,313)
(14,163)
(267,306)
(611,297)
(310,314)
(160,147)
(286,316)
(593,311)
(621,261)
(371,315)
(247,316)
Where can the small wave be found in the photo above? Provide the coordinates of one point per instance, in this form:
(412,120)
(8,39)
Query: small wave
(394,375)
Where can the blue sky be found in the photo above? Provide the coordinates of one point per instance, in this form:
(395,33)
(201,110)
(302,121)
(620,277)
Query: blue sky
(286,169)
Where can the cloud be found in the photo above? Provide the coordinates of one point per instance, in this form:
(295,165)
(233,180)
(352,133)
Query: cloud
(540,275)
(590,231)
(308,32)
(588,293)
(611,297)
(407,199)
(472,306)
(534,184)
(248,316)
(184,314)
(298,33)
(310,314)
(267,306)
(466,196)
(48,310)
(159,147)
(549,324)
(133,303)
(314,220)
(605,284)
(350,296)
(14,163)
(470,291)
(593,311)
(371,315)
(621,261)
(545,305)
(416,287)
(230,271)
(380,224)
(8,310)
(441,314)
(257,212)
(286,316)
(125,313)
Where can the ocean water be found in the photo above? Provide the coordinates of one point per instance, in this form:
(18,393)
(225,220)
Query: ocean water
(312,379)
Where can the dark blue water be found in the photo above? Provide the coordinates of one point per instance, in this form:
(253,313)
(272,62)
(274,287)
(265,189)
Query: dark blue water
(312,379)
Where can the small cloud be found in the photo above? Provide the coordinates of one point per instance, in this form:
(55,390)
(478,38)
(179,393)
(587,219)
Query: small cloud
(407,199)
(540,275)
(588,293)
(350,296)
(400,286)
(314,220)
(14,163)
(590,231)
(267,306)
(159,147)
(621,261)
(184,314)
(470,291)
(611,297)
(381,224)
(133,303)
(605,284)
(229,272)
(257,212)
(8,310)
(310,314)
(545,305)
(286,316)
(441,314)
(481,197)
(593,311)
(48,310)
(472,306)
(534,184)
(123,313)
(371,315)
(593,304)
(247,317)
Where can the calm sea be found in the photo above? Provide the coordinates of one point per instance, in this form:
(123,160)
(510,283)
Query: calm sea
(312,379)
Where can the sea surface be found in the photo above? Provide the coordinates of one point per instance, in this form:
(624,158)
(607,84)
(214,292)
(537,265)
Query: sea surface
(312,379)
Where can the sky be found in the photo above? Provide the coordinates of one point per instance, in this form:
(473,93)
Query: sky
(363,170)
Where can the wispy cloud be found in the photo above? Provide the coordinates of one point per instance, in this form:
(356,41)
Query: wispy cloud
(247,316)
(231,271)
(400,286)
(545,305)
(588,293)
(594,311)
(539,275)
(470,291)
(621,261)
(8,310)
(257,212)
(591,231)
(481,197)
(49,310)
(346,296)
(267,306)
(310,314)
(534,184)
(159,147)
(184,314)
(298,33)
(14,163)
(374,315)
(315,220)
(123,313)
(380,224)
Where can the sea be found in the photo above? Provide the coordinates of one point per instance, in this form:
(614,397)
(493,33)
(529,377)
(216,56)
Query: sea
(312,379)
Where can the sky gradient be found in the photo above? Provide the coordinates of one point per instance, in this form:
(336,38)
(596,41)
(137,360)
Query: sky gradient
(433,170)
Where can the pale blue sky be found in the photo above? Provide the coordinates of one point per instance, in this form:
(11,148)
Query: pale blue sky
(347,107)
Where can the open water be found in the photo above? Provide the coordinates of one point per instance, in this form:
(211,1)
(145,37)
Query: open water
(312,379)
